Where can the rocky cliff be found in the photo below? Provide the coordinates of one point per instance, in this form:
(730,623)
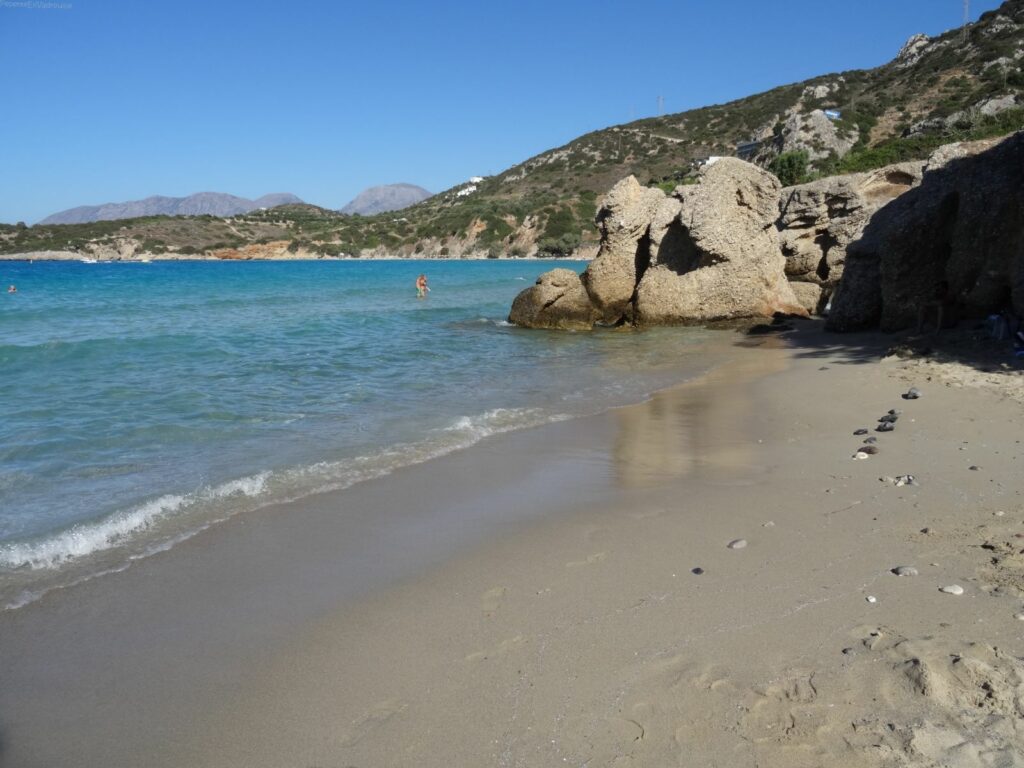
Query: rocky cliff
(958,237)
(817,222)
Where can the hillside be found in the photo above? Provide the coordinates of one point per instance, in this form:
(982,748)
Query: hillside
(199,204)
(963,84)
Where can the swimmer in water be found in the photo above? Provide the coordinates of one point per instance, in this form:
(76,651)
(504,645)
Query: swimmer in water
(12,289)
(421,287)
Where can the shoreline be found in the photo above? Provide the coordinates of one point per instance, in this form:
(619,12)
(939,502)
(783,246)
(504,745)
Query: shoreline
(149,258)
(572,629)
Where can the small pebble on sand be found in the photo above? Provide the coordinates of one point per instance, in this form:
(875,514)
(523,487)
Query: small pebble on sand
(1000,513)
(871,441)
(905,570)
(860,431)
(885,426)
(871,599)
(926,530)
(697,571)
(860,455)
(871,450)
(769,524)
(974,468)
(952,589)
(737,544)
(912,394)
(1019,616)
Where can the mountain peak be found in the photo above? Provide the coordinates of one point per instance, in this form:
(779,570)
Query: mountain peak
(387,197)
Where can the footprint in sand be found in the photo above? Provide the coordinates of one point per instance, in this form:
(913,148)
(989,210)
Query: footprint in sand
(713,679)
(370,721)
(597,557)
(502,649)
(782,710)
(491,599)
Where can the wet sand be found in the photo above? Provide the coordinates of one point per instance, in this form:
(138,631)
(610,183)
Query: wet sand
(533,601)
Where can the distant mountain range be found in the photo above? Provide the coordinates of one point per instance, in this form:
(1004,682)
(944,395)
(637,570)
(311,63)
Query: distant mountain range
(388,197)
(208,203)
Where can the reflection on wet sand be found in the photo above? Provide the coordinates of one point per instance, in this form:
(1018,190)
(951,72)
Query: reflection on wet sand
(699,429)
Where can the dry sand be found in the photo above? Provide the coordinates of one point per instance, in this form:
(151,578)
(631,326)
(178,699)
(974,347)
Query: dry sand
(587,636)
(591,641)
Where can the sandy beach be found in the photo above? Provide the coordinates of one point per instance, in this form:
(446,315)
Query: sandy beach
(705,578)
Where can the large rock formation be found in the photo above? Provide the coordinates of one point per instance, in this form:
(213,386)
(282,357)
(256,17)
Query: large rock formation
(818,220)
(557,300)
(814,133)
(959,234)
(709,252)
(624,220)
(718,258)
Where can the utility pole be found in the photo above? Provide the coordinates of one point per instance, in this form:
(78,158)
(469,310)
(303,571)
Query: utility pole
(967,19)
(661,106)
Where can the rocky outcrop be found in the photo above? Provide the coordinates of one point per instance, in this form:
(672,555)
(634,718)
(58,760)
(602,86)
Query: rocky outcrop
(708,252)
(558,300)
(964,119)
(718,258)
(959,235)
(815,134)
(624,221)
(818,220)
(912,51)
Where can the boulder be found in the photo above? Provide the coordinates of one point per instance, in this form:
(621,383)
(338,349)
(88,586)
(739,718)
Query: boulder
(818,220)
(959,235)
(557,300)
(624,219)
(717,258)
(810,296)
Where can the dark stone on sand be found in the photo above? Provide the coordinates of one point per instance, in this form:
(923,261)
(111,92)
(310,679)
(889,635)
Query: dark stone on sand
(912,394)
(885,426)
(870,441)
(889,418)
(895,412)
(871,450)
(697,571)
(974,468)
(860,431)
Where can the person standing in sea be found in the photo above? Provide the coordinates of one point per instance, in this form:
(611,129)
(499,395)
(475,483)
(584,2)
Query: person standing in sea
(421,287)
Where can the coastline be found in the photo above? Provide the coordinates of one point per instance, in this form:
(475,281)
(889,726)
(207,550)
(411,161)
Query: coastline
(548,612)
(148,258)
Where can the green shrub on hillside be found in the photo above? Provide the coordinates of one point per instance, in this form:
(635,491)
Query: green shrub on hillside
(790,167)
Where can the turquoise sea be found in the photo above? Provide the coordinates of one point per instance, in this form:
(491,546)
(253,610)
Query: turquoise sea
(145,402)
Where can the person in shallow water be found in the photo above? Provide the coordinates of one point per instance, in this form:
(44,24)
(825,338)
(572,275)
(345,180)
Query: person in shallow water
(421,286)
(12,289)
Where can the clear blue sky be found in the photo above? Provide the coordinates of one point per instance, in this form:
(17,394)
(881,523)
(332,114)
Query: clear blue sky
(111,100)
